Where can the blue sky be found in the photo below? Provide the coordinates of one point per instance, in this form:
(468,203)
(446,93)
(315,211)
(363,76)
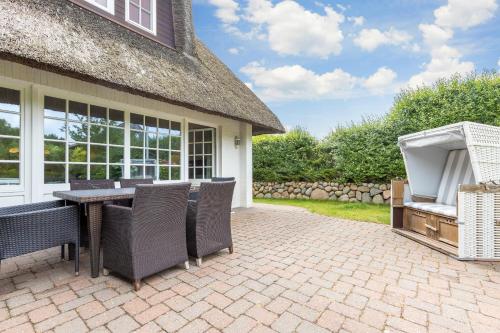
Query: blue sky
(321,64)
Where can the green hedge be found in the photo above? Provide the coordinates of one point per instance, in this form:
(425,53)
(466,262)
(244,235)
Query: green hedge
(367,152)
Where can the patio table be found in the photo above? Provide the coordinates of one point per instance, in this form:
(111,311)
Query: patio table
(94,199)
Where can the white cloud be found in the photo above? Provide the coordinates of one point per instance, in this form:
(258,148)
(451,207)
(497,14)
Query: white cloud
(379,81)
(371,39)
(226,10)
(298,83)
(445,61)
(465,13)
(234,50)
(293,30)
(435,35)
(356,20)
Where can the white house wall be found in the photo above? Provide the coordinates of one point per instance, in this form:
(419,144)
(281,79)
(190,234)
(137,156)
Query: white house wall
(231,160)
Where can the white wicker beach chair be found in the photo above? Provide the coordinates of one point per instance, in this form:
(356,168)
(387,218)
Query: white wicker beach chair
(450,201)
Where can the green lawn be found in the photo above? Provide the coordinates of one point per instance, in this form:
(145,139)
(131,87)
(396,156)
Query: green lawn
(345,210)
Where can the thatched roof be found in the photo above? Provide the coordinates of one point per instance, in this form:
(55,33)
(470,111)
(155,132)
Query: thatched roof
(61,37)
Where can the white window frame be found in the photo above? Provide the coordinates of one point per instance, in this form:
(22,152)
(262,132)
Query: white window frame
(110,5)
(135,24)
(11,188)
(216,149)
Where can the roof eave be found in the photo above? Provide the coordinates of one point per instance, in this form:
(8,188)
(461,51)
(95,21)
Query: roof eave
(257,129)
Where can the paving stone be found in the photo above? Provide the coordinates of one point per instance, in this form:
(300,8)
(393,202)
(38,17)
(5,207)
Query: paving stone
(171,321)
(308,327)
(178,303)
(352,325)
(331,320)
(20,300)
(218,300)
(74,326)
(90,309)
(404,325)
(29,307)
(13,322)
(64,297)
(135,306)
(217,318)
(43,313)
(123,324)
(195,326)
(77,302)
(373,318)
(415,315)
(151,314)
(150,327)
(261,315)
(23,328)
(287,322)
(196,310)
(119,300)
(54,321)
(242,324)
(238,308)
(105,317)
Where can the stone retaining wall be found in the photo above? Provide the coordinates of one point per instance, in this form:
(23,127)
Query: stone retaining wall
(369,193)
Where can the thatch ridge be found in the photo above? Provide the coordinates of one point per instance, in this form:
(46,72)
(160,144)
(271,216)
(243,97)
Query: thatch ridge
(61,37)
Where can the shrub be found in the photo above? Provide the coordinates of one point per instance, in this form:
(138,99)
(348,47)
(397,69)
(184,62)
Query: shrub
(286,157)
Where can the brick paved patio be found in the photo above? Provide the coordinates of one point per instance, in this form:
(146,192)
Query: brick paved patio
(291,271)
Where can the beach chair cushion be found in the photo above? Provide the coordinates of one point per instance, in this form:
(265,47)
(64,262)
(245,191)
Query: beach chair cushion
(457,170)
(436,208)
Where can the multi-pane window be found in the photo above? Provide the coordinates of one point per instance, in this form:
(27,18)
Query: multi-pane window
(82,141)
(155,148)
(10,136)
(201,153)
(141,13)
(107,5)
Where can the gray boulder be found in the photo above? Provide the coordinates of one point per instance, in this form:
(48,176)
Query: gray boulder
(377,199)
(319,194)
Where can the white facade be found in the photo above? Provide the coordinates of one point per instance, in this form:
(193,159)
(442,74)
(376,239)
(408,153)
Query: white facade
(230,160)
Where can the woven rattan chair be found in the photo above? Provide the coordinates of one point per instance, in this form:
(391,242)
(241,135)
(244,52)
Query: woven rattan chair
(222,179)
(79,184)
(150,236)
(39,226)
(209,220)
(127,183)
(194,195)
(83,184)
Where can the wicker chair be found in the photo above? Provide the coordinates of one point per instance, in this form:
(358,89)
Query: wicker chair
(126,183)
(194,195)
(150,236)
(209,220)
(222,179)
(78,184)
(39,226)
(82,184)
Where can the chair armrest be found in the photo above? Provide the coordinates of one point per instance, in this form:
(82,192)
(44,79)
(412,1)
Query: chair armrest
(26,208)
(53,213)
